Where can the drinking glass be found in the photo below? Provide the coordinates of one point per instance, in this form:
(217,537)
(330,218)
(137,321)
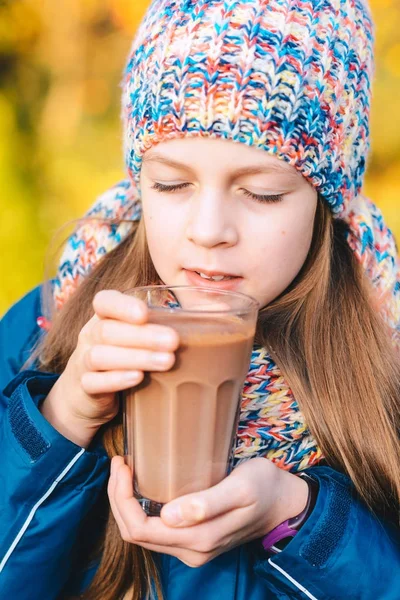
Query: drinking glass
(180,425)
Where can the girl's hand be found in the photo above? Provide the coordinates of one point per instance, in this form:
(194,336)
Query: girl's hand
(114,349)
(196,528)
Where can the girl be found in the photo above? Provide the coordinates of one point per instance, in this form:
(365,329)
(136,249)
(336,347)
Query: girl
(246,136)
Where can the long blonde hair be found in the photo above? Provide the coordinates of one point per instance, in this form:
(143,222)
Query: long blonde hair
(327,337)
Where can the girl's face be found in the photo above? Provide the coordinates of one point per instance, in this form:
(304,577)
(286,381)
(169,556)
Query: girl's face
(227,211)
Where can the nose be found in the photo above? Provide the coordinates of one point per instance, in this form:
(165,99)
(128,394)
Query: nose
(211,221)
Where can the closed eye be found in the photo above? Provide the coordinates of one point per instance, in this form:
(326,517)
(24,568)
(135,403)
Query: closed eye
(161,187)
(263,197)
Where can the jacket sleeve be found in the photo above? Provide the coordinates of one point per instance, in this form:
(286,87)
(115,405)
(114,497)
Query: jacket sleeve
(342,551)
(48,484)
(19,333)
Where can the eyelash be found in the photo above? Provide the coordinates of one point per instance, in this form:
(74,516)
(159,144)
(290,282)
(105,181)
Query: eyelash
(160,187)
(268,198)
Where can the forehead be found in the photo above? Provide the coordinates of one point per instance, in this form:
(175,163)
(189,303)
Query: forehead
(217,155)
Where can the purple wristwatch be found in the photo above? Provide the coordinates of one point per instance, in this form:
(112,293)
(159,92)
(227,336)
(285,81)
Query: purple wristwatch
(283,533)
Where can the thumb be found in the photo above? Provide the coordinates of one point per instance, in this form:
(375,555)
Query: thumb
(203,506)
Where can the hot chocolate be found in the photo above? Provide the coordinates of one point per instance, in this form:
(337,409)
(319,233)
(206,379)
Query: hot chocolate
(179,424)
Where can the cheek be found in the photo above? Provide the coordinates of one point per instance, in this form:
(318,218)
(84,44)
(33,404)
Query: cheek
(163,230)
(293,243)
(284,248)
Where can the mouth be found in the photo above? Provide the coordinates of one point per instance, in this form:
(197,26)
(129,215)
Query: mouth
(207,278)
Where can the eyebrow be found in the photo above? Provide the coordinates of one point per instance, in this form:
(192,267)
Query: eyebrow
(281,169)
(165,161)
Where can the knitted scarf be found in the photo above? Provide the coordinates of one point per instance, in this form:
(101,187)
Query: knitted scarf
(271,424)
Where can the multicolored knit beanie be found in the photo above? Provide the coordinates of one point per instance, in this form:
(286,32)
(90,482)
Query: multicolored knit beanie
(291,77)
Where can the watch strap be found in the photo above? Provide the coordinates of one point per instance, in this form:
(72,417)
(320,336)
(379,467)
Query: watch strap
(288,529)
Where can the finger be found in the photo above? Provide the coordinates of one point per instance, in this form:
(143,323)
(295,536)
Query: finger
(115,464)
(121,494)
(191,558)
(137,528)
(104,382)
(113,358)
(111,304)
(202,506)
(215,536)
(142,529)
(147,336)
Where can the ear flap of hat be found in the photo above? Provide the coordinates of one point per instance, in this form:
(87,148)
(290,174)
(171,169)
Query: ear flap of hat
(375,247)
(99,232)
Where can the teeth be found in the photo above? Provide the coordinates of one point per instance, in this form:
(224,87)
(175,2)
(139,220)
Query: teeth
(213,277)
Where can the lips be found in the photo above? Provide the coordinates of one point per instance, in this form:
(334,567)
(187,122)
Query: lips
(212,275)
(205,278)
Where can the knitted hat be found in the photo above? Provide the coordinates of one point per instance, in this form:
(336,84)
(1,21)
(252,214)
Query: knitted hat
(289,76)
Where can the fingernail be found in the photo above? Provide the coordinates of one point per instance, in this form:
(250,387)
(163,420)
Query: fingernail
(161,360)
(172,514)
(194,512)
(166,339)
(137,314)
(131,376)
(197,510)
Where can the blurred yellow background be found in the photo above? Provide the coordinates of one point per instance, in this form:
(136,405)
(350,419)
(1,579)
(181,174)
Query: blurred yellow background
(60,137)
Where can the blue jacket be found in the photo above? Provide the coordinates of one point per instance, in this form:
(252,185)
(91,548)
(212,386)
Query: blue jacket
(49,487)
